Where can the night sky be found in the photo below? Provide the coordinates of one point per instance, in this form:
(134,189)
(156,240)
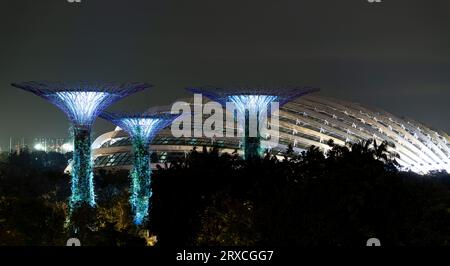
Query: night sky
(393,55)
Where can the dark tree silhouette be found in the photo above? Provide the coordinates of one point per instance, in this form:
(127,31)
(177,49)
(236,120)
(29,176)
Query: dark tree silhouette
(340,198)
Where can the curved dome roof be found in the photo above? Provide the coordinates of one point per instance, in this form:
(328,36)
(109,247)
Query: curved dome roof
(313,120)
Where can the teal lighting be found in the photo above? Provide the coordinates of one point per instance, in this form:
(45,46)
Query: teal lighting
(142,128)
(82,106)
(82,102)
(247,104)
(252,101)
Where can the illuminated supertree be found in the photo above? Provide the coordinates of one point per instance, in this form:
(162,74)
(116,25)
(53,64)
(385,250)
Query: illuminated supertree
(82,102)
(142,128)
(248,101)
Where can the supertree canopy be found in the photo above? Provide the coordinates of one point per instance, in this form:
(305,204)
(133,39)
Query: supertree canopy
(82,102)
(142,128)
(248,101)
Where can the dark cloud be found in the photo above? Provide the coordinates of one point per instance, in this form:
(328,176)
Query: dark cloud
(394,55)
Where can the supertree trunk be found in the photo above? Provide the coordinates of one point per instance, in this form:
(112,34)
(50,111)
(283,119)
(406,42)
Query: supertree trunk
(82,175)
(252,144)
(82,102)
(254,99)
(142,128)
(140,175)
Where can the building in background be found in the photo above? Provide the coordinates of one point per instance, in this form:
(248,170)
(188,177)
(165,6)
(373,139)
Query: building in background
(46,144)
(309,120)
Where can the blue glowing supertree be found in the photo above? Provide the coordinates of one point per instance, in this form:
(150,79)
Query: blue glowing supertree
(252,100)
(142,128)
(82,102)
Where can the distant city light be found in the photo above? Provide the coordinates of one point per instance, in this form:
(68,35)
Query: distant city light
(67,147)
(39,147)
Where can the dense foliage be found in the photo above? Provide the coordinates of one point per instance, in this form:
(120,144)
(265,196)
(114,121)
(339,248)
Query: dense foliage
(341,198)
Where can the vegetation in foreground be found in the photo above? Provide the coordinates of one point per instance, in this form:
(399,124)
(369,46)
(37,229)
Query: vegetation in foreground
(342,198)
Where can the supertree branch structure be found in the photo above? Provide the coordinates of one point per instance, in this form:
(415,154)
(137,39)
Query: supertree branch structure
(82,102)
(142,128)
(252,100)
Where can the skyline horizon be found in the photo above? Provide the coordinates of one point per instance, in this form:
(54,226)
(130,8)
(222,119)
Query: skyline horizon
(393,56)
(96,133)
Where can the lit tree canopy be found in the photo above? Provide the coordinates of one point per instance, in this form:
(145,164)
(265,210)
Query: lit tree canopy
(81,101)
(141,125)
(252,99)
